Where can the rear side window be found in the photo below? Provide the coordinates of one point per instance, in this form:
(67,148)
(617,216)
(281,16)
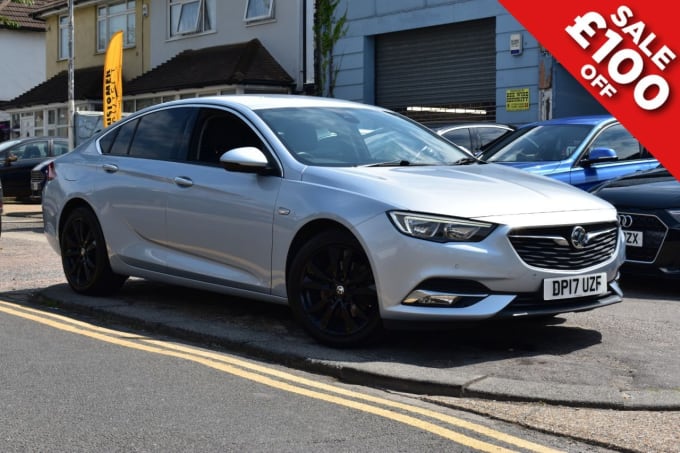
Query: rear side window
(122,139)
(460,137)
(162,135)
(59,148)
(488,134)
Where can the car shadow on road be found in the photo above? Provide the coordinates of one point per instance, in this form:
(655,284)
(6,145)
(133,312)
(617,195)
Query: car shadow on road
(269,331)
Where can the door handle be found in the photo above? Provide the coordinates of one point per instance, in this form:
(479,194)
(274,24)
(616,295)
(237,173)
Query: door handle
(183,181)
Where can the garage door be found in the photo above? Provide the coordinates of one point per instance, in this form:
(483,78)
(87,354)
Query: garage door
(438,71)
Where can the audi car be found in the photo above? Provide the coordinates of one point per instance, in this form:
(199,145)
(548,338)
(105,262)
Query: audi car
(648,206)
(582,151)
(356,217)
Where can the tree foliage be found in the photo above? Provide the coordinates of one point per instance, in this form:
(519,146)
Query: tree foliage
(5,21)
(328,30)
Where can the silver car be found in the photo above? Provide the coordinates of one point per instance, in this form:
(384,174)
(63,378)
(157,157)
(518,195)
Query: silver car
(355,216)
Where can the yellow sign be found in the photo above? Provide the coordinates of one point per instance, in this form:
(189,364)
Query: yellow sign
(517,99)
(113,80)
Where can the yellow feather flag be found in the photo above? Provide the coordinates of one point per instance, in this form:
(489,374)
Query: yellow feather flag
(113,80)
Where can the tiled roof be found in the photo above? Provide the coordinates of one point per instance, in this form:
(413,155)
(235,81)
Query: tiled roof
(243,63)
(21,15)
(87,83)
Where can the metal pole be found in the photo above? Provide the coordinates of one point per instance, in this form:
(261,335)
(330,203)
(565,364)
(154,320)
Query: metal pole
(71,90)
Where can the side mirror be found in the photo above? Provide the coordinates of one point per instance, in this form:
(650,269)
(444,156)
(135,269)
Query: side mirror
(597,155)
(11,157)
(247,159)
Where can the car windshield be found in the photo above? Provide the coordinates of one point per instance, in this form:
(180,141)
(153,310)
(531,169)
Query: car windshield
(336,137)
(8,144)
(544,143)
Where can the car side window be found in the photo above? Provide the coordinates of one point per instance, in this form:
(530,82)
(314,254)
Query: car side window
(621,141)
(59,148)
(162,135)
(217,132)
(31,150)
(460,137)
(118,142)
(487,134)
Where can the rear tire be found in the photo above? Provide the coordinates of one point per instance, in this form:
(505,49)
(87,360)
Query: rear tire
(332,292)
(84,255)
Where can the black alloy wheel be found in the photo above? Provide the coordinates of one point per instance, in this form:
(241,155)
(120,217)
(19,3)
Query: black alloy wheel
(332,292)
(84,255)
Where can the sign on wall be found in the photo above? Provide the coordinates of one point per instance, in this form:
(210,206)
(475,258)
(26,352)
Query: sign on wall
(517,99)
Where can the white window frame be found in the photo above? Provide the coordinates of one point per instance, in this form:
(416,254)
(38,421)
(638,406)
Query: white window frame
(258,10)
(201,20)
(104,16)
(64,50)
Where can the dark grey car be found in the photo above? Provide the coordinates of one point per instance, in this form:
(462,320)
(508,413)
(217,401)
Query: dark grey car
(18,157)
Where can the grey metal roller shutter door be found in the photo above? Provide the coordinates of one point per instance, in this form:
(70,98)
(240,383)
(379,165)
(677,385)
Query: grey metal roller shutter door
(449,65)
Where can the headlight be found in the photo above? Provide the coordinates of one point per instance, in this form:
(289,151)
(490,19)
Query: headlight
(675,213)
(440,229)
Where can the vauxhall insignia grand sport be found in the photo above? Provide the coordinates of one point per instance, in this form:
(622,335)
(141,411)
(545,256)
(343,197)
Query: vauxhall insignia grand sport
(356,217)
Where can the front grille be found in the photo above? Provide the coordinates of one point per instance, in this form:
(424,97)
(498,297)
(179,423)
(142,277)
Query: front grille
(653,234)
(552,248)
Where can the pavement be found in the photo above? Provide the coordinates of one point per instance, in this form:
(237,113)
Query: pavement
(560,364)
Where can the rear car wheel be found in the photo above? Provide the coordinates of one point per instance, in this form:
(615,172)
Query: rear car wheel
(84,256)
(332,292)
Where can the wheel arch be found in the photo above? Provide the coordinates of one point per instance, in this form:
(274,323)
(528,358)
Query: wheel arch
(68,208)
(308,231)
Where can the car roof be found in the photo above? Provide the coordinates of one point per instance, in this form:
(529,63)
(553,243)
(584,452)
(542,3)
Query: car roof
(591,120)
(269,101)
(18,141)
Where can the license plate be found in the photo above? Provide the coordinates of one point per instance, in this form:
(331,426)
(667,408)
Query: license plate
(633,238)
(577,286)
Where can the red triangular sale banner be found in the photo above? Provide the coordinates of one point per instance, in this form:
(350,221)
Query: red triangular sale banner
(626,54)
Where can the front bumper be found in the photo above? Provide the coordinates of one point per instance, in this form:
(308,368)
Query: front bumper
(481,280)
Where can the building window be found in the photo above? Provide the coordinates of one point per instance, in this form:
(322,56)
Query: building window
(189,17)
(63,38)
(257,10)
(112,18)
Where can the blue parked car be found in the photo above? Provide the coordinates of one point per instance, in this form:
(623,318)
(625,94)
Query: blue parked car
(582,151)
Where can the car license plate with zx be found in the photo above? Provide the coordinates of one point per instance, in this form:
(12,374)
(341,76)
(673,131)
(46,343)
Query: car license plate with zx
(633,238)
(576,286)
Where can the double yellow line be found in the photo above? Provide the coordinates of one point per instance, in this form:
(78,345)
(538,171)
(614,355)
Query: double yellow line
(396,411)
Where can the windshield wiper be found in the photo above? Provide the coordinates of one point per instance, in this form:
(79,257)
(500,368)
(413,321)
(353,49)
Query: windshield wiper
(389,163)
(468,161)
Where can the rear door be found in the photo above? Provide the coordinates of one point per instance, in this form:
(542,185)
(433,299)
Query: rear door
(141,159)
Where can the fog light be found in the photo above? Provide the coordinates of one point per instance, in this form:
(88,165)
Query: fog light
(442,300)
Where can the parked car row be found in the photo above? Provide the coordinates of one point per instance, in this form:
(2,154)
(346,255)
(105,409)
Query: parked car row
(344,211)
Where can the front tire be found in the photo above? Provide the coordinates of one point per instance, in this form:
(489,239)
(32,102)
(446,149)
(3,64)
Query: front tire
(84,255)
(332,292)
